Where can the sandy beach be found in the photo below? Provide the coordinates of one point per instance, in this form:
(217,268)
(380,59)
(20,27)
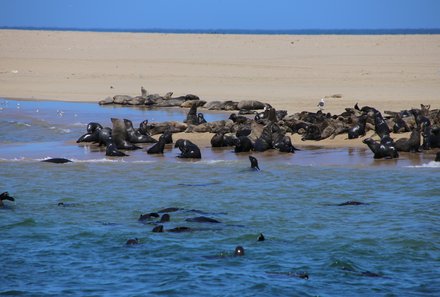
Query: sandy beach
(291,72)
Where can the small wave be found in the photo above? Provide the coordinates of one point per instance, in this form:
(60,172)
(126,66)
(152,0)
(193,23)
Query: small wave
(431,164)
(62,130)
(144,162)
(17,123)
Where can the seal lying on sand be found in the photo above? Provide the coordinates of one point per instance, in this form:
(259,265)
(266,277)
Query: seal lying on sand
(5,196)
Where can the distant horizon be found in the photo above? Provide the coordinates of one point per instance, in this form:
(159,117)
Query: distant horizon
(221,15)
(308,31)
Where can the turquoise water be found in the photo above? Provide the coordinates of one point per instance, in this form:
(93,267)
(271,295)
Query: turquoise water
(79,250)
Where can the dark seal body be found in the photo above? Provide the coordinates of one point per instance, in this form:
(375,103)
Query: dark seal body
(188,149)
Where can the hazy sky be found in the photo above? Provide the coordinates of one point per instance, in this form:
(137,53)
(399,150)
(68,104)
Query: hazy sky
(222,14)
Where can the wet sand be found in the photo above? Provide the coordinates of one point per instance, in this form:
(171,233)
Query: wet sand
(291,72)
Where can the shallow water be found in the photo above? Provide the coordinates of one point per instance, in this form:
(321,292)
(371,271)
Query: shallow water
(80,249)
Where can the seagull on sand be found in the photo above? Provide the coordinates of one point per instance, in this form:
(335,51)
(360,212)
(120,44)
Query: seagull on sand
(321,104)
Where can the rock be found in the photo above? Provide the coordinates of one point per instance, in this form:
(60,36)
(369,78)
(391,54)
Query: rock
(106,101)
(121,99)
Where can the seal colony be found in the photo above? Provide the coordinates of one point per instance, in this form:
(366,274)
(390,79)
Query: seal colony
(257,126)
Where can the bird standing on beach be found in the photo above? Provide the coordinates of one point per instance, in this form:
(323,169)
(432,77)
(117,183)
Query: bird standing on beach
(321,104)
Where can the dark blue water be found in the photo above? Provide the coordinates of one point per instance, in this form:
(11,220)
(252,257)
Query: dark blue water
(387,247)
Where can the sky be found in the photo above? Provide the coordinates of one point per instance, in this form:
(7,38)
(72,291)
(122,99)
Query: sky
(222,14)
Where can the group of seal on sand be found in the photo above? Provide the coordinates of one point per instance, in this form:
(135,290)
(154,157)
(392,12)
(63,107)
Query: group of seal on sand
(250,130)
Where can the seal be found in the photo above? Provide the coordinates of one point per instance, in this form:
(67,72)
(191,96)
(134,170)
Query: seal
(57,160)
(158,147)
(188,149)
(409,145)
(148,216)
(239,251)
(359,129)
(261,237)
(243,144)
(381,150)
(5,196)
(120,135)
(92,133)
(132,241)
(254,163)
(112,151)
(380,126)
(351,203)
(134,136)
(202,219)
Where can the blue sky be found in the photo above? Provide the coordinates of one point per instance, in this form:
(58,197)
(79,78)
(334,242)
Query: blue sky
(222,14)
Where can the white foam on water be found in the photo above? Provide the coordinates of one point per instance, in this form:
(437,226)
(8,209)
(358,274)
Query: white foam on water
(431,164)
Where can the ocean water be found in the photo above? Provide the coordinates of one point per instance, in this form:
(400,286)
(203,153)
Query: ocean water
(389,246)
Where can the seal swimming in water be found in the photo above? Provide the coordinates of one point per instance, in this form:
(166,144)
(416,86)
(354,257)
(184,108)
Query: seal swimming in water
(148,216)
(5,196)
(188,149)
(202,219)
(351,203)
(261,237)
(239,251)
(254,163)
(132,241)
(57,160)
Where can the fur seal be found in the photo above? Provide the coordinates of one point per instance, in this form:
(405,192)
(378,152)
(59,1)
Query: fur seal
(148,216)
(120,136)
(202,219)
(160,229)
(92,134)
(57,160)
(239,251)
(359,129)
(112,151)
(170,209)
(243,144)
(380,126)
(254,163)
(409,145)
(351,203)
(381,150)
(5,196)
(188,149)
(164,218)
(134,136)
(158,147)
(132,241)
